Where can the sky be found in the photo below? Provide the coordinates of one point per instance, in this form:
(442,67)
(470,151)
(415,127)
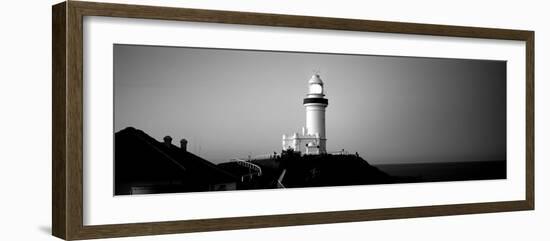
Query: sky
(235,103)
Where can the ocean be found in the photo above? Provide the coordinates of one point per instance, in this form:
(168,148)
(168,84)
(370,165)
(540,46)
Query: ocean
(447,171)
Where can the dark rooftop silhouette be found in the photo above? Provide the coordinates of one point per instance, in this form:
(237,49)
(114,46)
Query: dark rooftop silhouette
(145,165)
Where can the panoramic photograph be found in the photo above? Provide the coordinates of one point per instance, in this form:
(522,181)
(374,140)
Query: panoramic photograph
(192,119)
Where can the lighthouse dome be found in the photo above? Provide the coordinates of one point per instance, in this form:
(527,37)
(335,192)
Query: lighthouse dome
(315,79)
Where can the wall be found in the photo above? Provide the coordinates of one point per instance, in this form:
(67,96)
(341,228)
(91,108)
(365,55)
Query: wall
(25,144)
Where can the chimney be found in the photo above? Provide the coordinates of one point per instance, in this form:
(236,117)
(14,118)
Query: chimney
(168,141)
(183,144)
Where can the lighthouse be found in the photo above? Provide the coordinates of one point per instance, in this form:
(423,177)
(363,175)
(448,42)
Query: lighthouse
(313,139)
(316,104)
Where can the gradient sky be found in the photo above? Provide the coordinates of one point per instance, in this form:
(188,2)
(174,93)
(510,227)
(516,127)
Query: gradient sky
(235,103)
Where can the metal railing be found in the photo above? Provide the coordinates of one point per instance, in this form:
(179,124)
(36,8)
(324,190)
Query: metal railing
(257,170)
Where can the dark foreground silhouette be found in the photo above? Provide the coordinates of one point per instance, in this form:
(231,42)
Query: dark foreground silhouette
(144,165)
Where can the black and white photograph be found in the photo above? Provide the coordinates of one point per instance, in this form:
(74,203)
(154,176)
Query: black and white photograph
(275,120)
(192,119)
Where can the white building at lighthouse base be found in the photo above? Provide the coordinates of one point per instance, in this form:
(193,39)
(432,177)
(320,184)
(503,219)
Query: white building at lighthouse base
(305,143)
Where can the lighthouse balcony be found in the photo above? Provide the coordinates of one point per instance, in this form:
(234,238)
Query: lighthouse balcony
(315,101)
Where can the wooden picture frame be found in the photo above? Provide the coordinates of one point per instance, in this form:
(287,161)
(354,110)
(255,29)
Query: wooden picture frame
(67,124)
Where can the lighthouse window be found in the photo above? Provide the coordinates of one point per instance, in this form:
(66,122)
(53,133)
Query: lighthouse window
(315,89)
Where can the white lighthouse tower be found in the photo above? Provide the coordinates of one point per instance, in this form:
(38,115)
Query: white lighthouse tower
(313,137)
